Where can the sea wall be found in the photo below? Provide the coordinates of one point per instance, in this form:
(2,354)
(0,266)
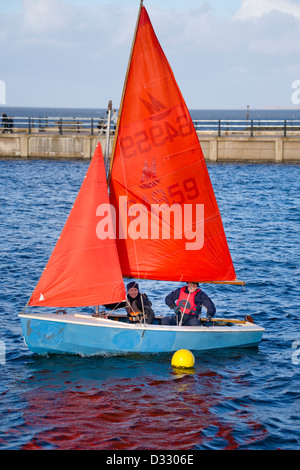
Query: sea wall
(227,148)
(251,149)
(48,146)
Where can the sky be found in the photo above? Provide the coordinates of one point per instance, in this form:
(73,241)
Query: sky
(225,54)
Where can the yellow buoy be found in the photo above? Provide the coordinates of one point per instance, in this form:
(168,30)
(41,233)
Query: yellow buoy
(183,358)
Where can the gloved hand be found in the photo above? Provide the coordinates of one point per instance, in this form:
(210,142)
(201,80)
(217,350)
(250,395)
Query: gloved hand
(177,311)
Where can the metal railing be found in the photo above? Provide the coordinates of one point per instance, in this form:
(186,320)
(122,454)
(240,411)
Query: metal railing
(55,125)
(247,127)
(96,126)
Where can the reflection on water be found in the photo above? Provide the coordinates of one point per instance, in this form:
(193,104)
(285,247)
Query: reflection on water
(116,404)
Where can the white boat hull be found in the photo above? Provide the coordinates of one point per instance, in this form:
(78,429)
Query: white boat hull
(88,335)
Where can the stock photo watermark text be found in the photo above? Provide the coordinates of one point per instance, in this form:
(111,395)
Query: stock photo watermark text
(296,94)
(295,355)
(160,221)
(2,92)
(2,353)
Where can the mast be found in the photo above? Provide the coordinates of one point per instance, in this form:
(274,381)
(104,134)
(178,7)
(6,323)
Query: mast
(123,93)
(106,156)
(107,135)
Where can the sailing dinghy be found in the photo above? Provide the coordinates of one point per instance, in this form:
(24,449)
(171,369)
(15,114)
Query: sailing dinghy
(158,220)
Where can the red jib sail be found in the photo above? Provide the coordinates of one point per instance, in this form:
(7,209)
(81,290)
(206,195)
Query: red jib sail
(168,223)
(83,268)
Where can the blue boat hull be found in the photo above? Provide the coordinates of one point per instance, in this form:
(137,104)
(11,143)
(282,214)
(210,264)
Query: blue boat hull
(85,335)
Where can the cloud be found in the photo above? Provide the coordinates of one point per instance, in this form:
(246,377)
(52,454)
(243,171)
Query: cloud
(250,9)
(262,27)
(79,50)
(44,16)
(275,36)
(271,26)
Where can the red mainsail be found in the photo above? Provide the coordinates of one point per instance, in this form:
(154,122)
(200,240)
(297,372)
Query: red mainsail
(168,223)
(83,269)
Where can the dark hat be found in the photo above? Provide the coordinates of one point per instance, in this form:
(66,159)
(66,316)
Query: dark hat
(193,282)
(132,284)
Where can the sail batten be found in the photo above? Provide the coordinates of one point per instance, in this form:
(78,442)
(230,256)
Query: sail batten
(158,162)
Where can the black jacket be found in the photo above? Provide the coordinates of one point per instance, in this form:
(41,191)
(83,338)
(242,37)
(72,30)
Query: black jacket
(138,302)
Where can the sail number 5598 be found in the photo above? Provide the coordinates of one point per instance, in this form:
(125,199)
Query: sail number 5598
(156,136)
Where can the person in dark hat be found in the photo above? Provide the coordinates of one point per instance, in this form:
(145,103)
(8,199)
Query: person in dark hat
(138,306)
(188,301)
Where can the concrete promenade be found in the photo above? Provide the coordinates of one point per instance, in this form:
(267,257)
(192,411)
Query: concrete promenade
(227,148)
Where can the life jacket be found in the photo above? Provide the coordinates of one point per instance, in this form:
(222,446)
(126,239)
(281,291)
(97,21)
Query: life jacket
(186,301)
(135,317)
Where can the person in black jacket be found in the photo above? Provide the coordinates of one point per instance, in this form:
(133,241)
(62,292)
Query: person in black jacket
(188,301)
(138,306)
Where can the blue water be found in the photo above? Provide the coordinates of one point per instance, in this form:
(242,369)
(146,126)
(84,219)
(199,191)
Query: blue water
(234,399)
(206,114)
